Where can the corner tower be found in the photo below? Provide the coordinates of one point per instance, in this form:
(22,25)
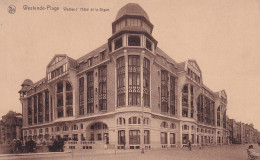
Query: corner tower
(132,28)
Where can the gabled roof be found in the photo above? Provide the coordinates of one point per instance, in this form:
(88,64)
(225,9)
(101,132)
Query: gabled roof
(194,64)
(57,58)
(223,92)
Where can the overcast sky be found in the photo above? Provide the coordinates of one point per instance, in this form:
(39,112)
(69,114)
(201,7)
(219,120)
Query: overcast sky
(223,36)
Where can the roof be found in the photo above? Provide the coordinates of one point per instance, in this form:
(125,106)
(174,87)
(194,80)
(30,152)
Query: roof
(163,54)
(181,66)
(92,53)
(27,82)
(131,9)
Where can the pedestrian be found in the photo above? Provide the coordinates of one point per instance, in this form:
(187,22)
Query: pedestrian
(189,145)
(252,154)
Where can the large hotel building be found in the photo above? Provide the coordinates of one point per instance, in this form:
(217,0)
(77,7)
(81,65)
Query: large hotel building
(126,93)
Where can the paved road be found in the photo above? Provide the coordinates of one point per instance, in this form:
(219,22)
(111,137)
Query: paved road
(232,152)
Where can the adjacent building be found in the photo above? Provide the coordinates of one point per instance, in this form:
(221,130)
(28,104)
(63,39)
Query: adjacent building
(10,127)
(126,93)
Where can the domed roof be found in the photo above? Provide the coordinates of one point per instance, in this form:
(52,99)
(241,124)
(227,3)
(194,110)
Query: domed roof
(132,9)
(27,82)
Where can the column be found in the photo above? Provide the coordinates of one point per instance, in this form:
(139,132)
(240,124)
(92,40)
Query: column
(142,101)
(180,134)
(64,98)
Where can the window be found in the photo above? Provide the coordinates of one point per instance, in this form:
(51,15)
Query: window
(146,82)
(164,92)
(172,95)
(200,108)
(90,61)
(134,120)
(164,124)
(99,137)
(29,111)
(90,92)
(102,88)
(46,130)
(218,116)
(134,87)
(148,44)
(35,109)
(57,129)
(102,55)
(118,43)
(81,96)
(173,126)
(133,22)
(134,137)
(74,127)
(120,121)
(69,111)
(146,121)
(121,81)
(40,108)
(185,127)
(146,137)
(121,137)
(65,128)
(172,138)
(134,40)
(59,87)
(47,101)
(164,138)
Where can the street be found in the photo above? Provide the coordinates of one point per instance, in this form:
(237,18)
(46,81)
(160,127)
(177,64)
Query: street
(231,152)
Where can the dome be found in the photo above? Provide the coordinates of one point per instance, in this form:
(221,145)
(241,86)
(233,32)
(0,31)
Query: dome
(131,9)
(27,82)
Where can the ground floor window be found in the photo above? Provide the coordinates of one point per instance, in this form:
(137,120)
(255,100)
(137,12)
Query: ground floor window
(185,138)
(164,138)
(172,138)
(192,138)
(121,137)
(75,137)
(99,137)
(134,137)
(92,137)
(198,139)
(146,137)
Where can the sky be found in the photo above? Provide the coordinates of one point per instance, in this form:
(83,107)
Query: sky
(222,36)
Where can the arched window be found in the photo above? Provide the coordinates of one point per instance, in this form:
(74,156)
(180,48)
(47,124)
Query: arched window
(164,125)
(185,127)
(134,120)
(173,126)
(120,121)
(98,126)
(146,121)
